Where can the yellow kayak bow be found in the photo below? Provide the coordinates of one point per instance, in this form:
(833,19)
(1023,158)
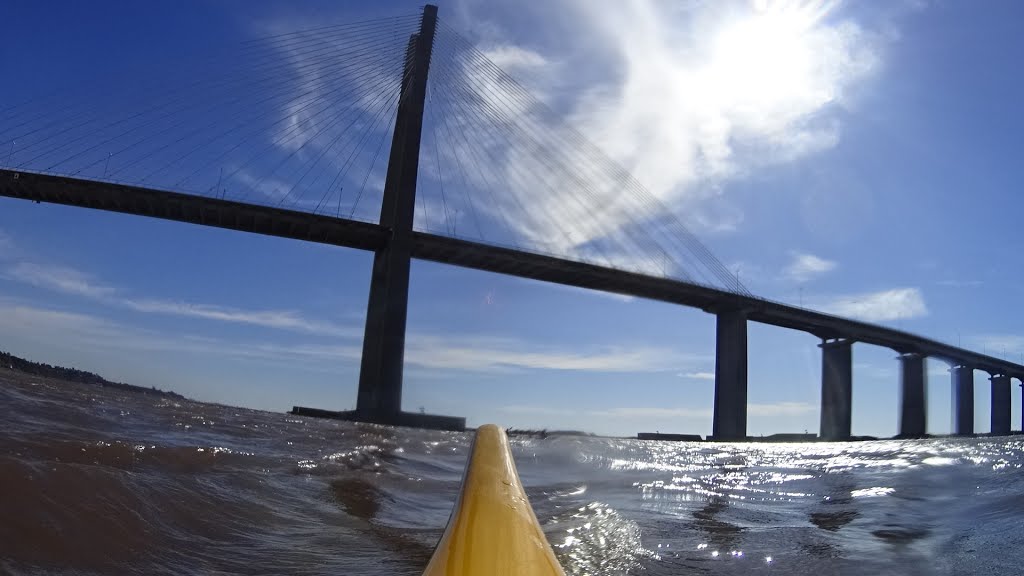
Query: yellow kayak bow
(492,530)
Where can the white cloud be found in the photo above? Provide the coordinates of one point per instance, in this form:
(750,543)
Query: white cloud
(59,279)
(490,354)
(705,93)
(525,65)
(273,189)
(684,99)
(512,58)
(447,353)
(56,324)
(62,329)
(807,266)
(278,319)
(661,412)
(68,280)
(90,332)
(894,304)
(342,99)
(697,375)
(486,354)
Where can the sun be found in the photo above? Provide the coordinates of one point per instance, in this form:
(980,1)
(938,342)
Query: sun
(766,58)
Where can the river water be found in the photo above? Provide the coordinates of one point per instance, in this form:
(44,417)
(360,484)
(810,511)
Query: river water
(96,481)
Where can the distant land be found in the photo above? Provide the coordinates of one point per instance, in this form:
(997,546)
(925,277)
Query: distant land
(548,433)
(16,364)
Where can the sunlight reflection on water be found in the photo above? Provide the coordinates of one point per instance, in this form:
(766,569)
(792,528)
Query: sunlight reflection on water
(185,487)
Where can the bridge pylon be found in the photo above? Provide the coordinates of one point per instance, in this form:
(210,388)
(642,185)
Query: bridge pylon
(380,374)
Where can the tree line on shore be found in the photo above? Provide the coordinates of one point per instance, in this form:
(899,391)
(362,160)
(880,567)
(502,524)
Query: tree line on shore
(12,362)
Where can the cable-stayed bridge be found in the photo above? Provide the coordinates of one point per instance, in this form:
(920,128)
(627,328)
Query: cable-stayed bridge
(399,137)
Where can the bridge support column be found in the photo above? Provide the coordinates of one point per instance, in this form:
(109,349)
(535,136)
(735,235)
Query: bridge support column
(836,389)
(913,396)
(730,419)
(1000,423)
(380,374)
(963,400)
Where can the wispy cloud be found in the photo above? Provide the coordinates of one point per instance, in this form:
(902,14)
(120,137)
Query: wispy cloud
(60,279)
(517,60)
(894,304)
(335,107)
(484,354)
(683,99)
(90,332)
(695,95)
(481,354)
(761,82)
(488,354)
(66,280)
(278,319)
(661,412)
(804,267)
(697,375)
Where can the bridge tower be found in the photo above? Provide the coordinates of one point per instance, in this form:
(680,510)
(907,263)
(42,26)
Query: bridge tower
(380,374)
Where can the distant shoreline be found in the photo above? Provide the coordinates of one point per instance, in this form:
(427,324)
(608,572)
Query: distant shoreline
(22,366)
(18,365)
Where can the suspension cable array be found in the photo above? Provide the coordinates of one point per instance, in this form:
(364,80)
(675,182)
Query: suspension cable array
(500,166)
(300,120)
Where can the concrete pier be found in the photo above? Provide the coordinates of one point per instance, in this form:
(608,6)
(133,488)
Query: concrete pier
(963,400)
(836,388)
(408,419)
(913,396)
(730,414)
(380,374)
(1000,405)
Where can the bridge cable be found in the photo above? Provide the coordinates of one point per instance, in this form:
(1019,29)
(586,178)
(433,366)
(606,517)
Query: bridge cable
(283,85)
(688,241)
(471,112)
(546,155)
(269,67)
(198,77)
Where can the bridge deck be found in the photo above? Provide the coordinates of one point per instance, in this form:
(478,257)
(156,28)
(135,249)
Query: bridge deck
(367,236)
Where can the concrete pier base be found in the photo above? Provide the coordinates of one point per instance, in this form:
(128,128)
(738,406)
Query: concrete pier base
(408,419)
(1000,423)
(963,400)
(836,389)
(913,396)
(730,415)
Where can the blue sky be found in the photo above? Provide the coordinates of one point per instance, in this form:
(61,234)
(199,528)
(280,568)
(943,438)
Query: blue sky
(859,158)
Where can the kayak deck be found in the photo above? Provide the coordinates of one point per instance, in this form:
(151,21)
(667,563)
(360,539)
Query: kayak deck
(492,530)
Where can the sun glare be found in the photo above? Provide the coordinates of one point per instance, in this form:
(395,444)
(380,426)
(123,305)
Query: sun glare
(765,59)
